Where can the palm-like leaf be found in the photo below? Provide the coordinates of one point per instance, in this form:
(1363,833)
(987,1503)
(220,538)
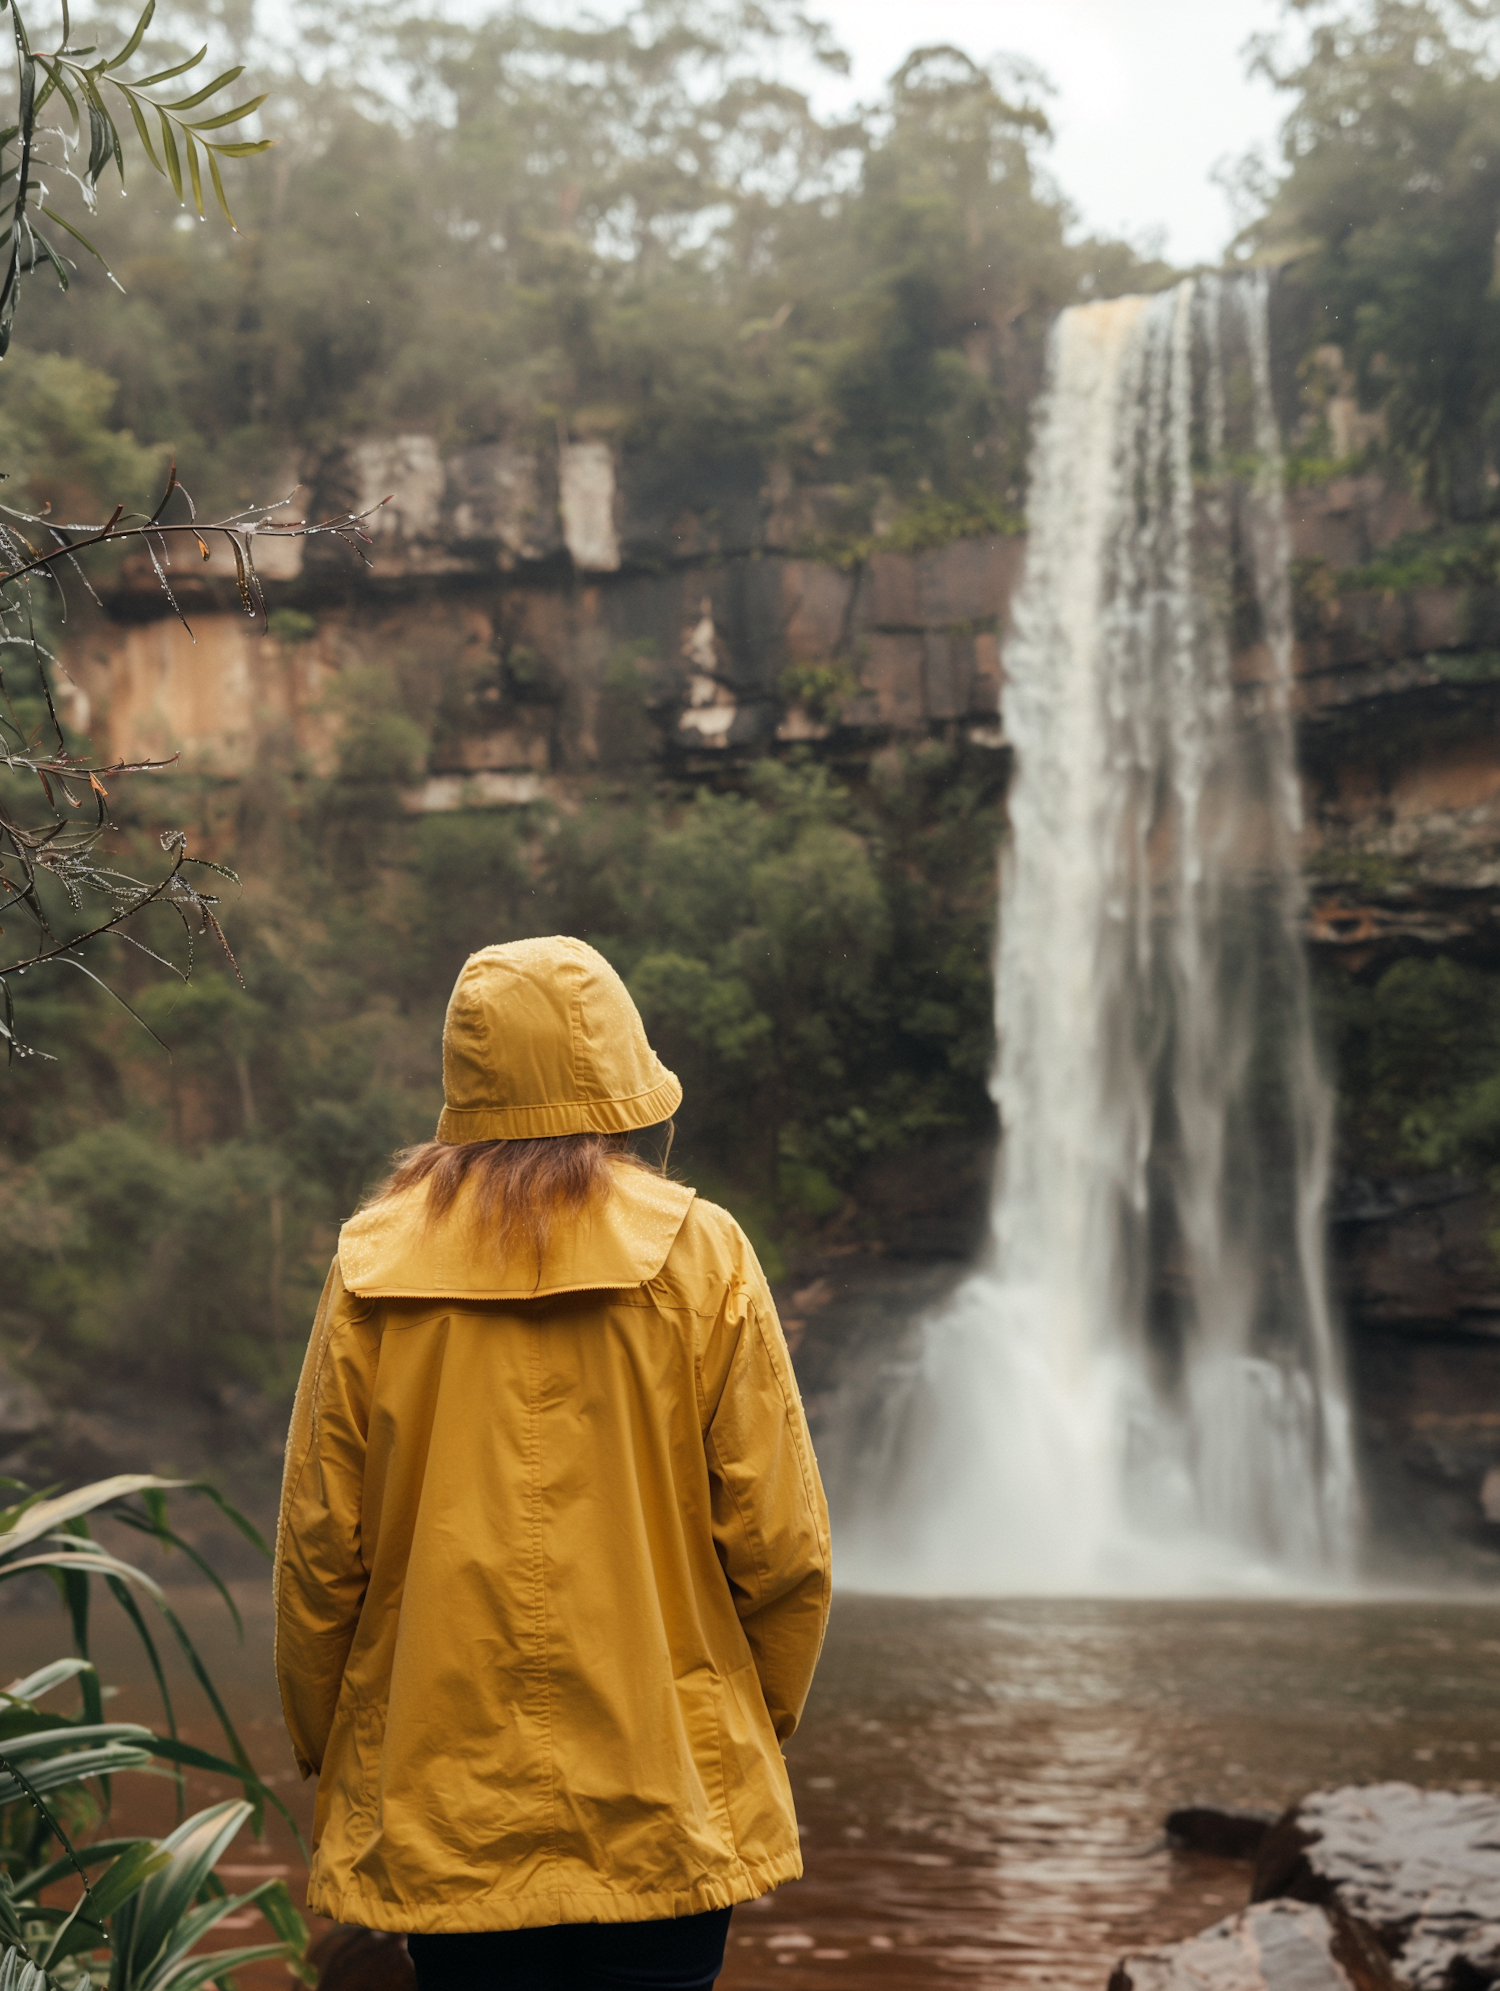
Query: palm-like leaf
(79,86)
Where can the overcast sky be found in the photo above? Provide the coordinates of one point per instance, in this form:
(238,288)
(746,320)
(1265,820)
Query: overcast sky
(1151,95)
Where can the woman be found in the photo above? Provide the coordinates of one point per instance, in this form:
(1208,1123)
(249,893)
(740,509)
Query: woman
(552,1571)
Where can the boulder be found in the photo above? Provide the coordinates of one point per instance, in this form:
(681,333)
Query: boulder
(1211,1828)
(1276,1946)
(1419,1869)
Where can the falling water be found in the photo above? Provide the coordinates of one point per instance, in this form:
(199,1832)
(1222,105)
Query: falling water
(1141,1388)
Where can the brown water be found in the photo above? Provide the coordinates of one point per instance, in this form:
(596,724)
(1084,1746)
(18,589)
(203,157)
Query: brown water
(981,1785)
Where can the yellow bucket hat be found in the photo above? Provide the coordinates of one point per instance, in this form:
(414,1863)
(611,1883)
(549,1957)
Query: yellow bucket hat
(542,1038)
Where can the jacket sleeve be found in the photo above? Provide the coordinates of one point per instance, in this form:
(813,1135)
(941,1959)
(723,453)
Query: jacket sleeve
(320,1574)
(770,1519)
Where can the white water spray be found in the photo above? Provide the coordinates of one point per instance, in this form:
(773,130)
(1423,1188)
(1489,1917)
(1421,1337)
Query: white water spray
(1141,1389)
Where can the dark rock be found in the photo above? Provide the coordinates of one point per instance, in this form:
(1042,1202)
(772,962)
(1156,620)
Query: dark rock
(1278,1946)
(1415,1254)
(1229,1835)
(352,1959)
(1419,1869)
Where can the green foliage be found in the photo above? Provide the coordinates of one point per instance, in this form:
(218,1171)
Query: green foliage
(492,230)
(1389,208)
(1419,1066)
(1453,556)
(378,741)
(812,957)
(85,94)
(822,690)
(154,1902)
(292,625)
(58,443)
(935,521)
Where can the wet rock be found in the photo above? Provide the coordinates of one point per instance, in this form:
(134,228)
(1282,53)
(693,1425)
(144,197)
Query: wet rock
(1419,1869)
(1227,1834)
(1278,1946)
(1413,1254)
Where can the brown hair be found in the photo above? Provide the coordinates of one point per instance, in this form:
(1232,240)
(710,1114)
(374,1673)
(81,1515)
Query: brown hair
(521,1188)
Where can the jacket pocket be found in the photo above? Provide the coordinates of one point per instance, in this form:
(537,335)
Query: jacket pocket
(700,1695)
(759,1793)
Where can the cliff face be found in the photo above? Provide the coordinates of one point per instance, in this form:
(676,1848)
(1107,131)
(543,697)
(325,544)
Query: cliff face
(552,623)
(546,622)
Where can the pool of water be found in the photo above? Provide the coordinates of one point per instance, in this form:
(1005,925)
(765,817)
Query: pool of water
(981,1786)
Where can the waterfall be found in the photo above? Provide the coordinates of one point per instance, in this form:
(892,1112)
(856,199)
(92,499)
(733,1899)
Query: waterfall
(1141,1387)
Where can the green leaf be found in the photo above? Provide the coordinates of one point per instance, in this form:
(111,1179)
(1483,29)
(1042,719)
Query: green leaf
(198,96)
(98,1561)
(100,133)
(169,1540)
(212,1968)
(104,140)
(31,1518)
(33,1686)
(81,239)
(142,133)
(58,82)
(196,1848)
(230,117)
(169,149)
(245,148)
(88,1856)
(108,1760)
(76,1594)
(166,75)
(193,1758)
(135,39)
(102,1898)
(213,173)
(197,177)
(130,1871)
(132,1611)
(279,1909)
(201,1674)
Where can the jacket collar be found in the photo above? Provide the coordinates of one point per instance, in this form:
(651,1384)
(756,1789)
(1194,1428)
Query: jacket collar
(390,1251)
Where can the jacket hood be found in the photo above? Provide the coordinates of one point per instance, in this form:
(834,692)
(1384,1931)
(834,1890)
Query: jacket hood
(542,1038)
(392,1250)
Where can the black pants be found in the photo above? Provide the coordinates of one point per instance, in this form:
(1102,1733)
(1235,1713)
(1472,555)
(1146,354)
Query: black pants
(686,1954)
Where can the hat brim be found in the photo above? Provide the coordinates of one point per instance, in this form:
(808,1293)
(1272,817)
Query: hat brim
(571,1116)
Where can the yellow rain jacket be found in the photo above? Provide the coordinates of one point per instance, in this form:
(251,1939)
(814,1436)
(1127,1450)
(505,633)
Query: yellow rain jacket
(552,1570)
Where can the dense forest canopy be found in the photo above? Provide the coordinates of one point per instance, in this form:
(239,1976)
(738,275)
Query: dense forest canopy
(1385,213)
(638,231)
(634,231)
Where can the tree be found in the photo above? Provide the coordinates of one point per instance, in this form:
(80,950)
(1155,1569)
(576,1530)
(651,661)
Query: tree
(1387,212)
(59,893)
